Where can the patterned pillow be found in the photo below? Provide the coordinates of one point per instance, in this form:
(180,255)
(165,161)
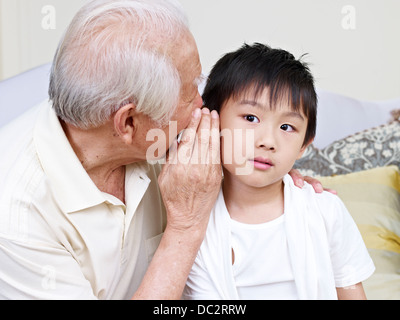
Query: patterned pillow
(376,147)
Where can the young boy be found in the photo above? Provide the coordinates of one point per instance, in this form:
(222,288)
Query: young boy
(267,239)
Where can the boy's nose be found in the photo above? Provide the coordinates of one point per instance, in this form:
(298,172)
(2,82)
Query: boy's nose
(267,142)
(271,148)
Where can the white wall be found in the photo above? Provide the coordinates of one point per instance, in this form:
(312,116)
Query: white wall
(363,62)
(355,53)
(30,31)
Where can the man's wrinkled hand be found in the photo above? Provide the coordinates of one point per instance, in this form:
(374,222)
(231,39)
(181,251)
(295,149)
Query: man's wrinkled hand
(191,178)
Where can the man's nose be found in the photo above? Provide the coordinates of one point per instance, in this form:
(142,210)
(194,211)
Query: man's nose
(198,101)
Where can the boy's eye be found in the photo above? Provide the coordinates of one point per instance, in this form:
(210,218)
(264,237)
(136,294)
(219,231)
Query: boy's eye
(252,118)
(287,127)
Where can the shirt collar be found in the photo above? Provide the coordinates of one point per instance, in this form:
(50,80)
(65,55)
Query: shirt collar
(71,186)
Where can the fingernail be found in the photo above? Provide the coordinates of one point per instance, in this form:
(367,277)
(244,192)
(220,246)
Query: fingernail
(205,111)
(300,182)
(214,114)
(196,113)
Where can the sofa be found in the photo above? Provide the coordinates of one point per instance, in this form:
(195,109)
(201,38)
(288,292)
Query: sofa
(356,152)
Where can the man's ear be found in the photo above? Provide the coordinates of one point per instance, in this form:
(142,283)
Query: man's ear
(304,147)
(125,123)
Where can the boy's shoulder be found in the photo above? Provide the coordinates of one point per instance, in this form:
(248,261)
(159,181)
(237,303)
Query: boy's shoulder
(308,191)
(326,198)
(326,204)
(332,210)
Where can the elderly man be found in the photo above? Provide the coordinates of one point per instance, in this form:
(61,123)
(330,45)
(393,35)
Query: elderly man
(83,215)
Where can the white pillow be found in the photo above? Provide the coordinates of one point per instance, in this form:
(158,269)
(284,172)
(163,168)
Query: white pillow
(340,116)
(22,92)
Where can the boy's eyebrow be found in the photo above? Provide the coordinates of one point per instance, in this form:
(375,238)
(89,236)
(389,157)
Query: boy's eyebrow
(252,103)
(294,114)
(256,104)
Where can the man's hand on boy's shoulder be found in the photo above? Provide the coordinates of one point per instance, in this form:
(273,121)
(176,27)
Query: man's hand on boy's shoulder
(299,179)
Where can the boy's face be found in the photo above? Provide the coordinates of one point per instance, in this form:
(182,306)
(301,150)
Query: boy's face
(260,144)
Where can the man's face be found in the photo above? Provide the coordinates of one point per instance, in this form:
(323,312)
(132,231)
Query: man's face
(185,57)
(187,61)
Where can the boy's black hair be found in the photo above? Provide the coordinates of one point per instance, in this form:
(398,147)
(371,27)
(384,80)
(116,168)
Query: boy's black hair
(258,67)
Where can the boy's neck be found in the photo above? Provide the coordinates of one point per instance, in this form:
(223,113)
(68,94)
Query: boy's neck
(252,205)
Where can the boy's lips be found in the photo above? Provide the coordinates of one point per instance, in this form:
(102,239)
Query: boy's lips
(262,163)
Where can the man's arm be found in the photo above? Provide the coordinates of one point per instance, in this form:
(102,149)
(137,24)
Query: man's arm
(166,276)
(189,184)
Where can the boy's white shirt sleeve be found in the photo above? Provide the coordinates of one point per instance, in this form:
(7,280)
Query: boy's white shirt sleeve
(351,262)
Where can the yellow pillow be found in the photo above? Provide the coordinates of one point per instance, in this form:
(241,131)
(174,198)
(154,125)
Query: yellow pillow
(373,199)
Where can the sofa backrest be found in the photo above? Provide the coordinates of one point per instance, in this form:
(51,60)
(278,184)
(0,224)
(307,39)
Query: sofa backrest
(20,93)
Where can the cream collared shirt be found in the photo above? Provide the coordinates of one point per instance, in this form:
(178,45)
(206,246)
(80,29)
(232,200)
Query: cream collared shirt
(60,236)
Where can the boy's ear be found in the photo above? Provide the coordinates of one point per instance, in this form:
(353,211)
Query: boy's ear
(304,147)
(125,123)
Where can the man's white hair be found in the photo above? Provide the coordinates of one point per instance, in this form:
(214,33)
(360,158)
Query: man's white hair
(112,55)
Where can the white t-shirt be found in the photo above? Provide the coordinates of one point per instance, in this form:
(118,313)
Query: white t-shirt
(314,247)
(262,270)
